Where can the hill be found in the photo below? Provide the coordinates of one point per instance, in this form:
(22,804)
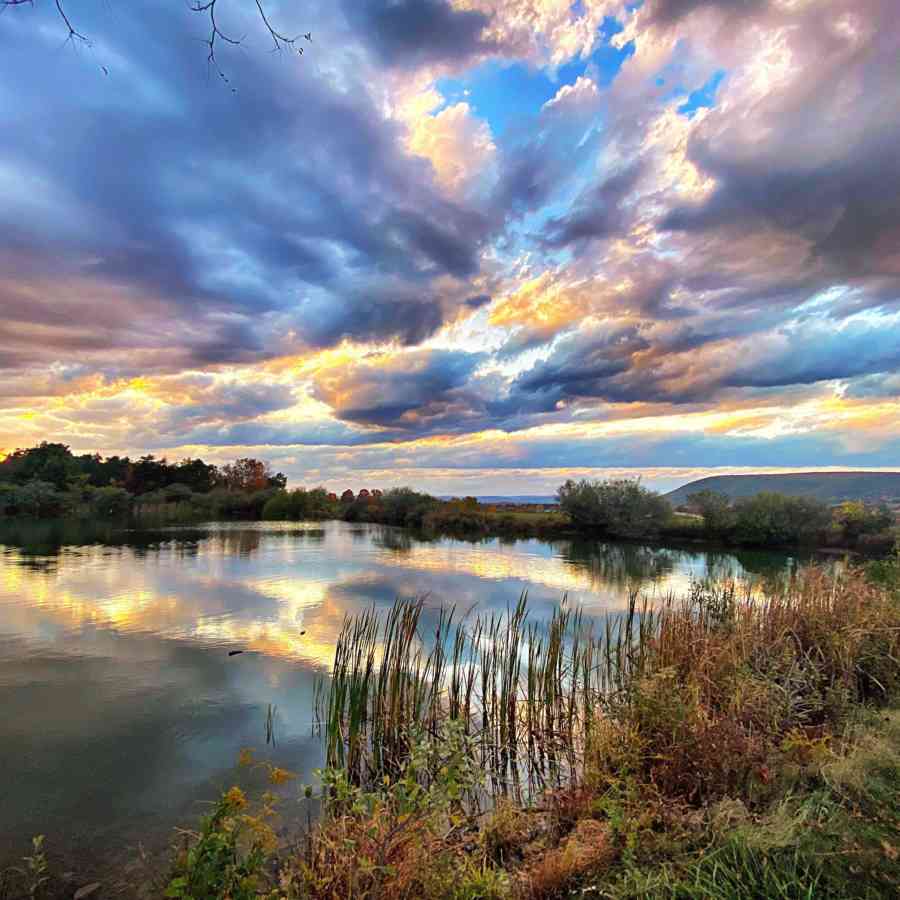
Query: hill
(829,487)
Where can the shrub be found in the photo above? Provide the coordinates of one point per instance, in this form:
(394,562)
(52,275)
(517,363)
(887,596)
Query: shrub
(775,519)
(621,507)
(856,519)
(715,507)
(38,498)
(111,502)
(404,506)
(299,504)
(228,857)
(403,840)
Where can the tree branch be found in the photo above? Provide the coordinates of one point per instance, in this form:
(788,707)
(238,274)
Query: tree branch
(73,33)
(280,40)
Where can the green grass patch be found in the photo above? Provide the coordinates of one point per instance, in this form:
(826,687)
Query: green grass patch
(836,836)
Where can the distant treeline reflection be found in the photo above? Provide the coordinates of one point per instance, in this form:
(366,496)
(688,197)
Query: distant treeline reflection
(49,481)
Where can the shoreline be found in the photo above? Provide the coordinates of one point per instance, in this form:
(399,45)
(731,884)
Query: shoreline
(509,527)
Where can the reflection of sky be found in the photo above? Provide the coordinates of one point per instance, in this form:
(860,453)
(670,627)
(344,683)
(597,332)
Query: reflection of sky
(121,702)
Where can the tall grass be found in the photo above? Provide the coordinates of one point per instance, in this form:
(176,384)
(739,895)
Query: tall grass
(696,747)
(526,690)
(531,693)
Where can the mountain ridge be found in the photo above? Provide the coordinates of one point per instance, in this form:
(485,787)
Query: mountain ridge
(829,487)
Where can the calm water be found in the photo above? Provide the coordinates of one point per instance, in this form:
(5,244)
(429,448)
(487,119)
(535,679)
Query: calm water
(121,708)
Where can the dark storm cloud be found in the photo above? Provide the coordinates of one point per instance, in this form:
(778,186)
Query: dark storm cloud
(212,401)
(696,363)
(376,312)
(159,190)
(598,213)
(410,33)
(824,167)
(666,12)
(848,210)
(587,360)
(417,391)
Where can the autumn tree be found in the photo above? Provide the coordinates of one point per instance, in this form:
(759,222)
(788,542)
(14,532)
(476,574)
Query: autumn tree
(248,474)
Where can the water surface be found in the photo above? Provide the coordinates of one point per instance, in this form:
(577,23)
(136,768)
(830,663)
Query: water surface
(121,708)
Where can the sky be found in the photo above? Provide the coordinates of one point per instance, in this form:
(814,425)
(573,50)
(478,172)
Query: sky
(474,246)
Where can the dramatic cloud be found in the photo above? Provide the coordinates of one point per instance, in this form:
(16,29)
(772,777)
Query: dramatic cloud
(413,391)
(456,236)
(414,32)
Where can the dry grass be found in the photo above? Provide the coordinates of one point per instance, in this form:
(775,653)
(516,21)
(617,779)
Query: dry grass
(707,715)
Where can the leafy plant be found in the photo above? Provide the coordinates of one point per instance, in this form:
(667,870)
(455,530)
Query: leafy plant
(228,857)
(36,868)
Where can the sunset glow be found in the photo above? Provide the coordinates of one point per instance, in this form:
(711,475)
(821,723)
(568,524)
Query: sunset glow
(469,245)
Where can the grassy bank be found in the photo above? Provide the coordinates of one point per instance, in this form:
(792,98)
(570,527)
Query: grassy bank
(722,745)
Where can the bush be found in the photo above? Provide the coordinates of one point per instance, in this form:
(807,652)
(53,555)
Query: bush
(857,519)
(299,504)
(38,498)
(229,856)
(621,507)
(402,841)
(768,519)
(715,507)
(110,502)
(404,506)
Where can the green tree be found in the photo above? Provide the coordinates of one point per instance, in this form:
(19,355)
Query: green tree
(48,462)
(199,476)
(404,506)
(770,519)
(39,498)
(856,518)
(715,507)
(147,474)
(621,507)
(110,502)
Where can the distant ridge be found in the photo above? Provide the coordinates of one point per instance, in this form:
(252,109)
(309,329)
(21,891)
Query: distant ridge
(521,499)
(829,487)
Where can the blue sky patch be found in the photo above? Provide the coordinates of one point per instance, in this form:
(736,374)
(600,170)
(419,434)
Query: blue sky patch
(502,93)
(704,97)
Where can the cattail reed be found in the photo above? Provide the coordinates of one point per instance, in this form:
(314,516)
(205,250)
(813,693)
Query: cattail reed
(529,693)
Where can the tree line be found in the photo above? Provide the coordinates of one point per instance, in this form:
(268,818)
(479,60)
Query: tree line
(625,508)
(50,480)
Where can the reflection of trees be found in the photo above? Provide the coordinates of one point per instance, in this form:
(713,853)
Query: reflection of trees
(242,542)
(766,563)
(619,564)
(723,566)
(397,540)
(41,542)
(45,537)
(625,565)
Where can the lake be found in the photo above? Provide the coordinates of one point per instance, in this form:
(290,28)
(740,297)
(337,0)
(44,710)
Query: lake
(122,710)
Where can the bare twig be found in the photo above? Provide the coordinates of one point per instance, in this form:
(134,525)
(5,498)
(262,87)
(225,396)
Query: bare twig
(74,34)
(280,40)
(214,31)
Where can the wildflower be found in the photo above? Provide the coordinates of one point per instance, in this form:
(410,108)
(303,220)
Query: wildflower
(234,797)
(278,775)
